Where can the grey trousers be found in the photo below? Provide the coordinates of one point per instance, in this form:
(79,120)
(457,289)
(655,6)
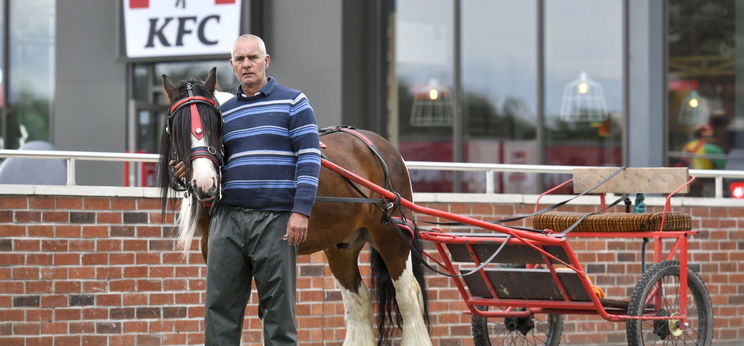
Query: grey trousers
(245,244)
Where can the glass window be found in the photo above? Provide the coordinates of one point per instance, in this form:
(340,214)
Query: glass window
(499,70)
(583,82)
(425,68)
(151,103)
(706,73)
(3,120)
(31,71)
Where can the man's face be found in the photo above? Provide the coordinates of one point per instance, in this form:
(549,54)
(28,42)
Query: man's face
(249,64)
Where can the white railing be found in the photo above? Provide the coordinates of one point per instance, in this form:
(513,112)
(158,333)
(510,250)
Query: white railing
(487,168)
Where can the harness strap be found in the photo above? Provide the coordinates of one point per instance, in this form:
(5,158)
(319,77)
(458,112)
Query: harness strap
(209,152)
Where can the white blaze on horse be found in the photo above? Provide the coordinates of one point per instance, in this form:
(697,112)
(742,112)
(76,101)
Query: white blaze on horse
(345,218)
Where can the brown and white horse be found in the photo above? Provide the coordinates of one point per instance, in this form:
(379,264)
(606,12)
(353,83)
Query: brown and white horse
(339,227)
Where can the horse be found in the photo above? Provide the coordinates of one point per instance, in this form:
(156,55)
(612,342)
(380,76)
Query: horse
(340,224)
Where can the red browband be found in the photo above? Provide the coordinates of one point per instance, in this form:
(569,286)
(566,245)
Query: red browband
(191,98)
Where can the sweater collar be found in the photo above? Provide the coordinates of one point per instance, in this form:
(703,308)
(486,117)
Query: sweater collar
(265,91)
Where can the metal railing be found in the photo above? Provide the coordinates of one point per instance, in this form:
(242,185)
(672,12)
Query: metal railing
(489,169)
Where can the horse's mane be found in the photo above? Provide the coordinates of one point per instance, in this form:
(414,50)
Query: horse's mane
(177,144)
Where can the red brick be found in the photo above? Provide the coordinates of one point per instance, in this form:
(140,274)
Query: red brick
(122,285)
(121,340)
(55,216)
(67,231)
(82,328)
(148,258)
(149,285)
(39,259)
(161,272)
(95,231)
(108,272)
(26,245)
(42,231)
(95,259)
(68,340)
(67,286)
(96,203)
(123,203)
(44,315)
(148,231)
(26,328)
(135,271)
(54,273)
(111,217)
(174,285)
(54,245)
(13,202)
(12,315)
(27,216)
(95,314)
(39,287)
(134,299)
(26,273)
(79,273)
(161,299)
(108,245)
(66,259)
(149,203)
(121,258)
(82,245)
(187,326)
(67,314)
(135,245)
(12,231)
(131,327)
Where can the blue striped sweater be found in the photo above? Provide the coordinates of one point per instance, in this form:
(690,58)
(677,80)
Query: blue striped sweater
(272,150)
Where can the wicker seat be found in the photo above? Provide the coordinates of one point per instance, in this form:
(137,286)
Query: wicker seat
(613,222)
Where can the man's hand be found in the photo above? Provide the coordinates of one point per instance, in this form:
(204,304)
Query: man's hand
(296,229)
(179,169)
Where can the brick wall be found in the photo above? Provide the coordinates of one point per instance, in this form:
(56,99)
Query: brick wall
(104,270)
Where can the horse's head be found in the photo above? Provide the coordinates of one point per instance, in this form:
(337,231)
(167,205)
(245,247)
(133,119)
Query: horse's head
(192,135)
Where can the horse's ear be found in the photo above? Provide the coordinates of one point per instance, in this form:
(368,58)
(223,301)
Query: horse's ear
(170,88)
(211,80)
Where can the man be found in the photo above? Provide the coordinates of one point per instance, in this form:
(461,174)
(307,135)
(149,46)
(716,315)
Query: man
(270,179)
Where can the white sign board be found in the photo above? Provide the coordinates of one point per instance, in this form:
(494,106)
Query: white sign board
(158,28)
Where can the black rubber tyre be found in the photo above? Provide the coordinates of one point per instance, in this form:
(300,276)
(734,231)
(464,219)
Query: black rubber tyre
(546,331)
(699,309)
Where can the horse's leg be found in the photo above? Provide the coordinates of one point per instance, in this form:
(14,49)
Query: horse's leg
(356,297)
(408,295)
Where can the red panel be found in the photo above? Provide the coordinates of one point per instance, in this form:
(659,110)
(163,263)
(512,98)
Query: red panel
(221,2)
(139,3)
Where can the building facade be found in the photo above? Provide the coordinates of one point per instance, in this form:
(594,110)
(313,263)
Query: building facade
(566,82)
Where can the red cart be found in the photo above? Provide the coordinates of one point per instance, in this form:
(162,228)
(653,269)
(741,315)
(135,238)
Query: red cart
(518,283)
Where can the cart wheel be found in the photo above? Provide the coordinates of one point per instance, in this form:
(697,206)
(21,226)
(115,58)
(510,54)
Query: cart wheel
(539,329)
(665,275)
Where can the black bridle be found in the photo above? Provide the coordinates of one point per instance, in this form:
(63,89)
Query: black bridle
(197,129)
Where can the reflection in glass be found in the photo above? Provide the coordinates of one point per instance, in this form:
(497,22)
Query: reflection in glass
(424,61)
(584,36)
(705,76)
(31,75)
(499,74)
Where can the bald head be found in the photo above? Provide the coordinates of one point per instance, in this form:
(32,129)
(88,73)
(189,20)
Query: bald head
(261,44)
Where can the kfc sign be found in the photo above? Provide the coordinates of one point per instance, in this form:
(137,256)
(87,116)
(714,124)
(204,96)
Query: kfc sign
(156,28)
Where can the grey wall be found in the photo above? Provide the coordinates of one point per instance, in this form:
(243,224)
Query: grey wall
(90,94)
(304,41)
(645,132)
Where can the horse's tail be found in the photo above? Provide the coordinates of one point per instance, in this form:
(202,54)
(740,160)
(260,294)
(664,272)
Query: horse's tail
(387,307)
(186,223)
